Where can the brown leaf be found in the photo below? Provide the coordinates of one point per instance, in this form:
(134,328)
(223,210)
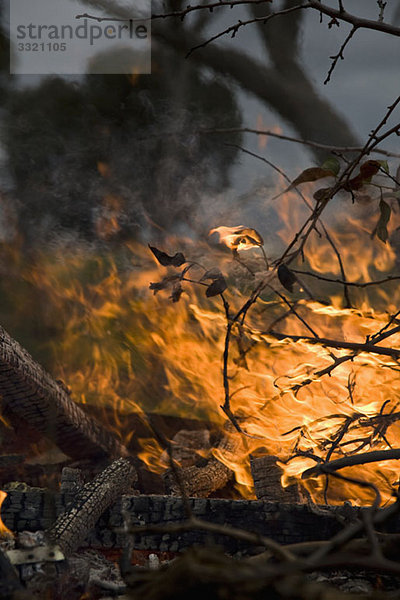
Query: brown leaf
(312,174)
(239,237)
(216,287)
(286,277)
(250,236)
(212,274)
(165,260)
(323,194)
(367,171)
(381,227)
(177,291)
(163,284)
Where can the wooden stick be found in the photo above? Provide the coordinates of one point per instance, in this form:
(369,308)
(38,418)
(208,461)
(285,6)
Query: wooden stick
(29,393)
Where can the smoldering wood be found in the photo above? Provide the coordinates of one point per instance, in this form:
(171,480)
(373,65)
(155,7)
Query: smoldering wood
(72,527)
(285,523)
(30,394)
(267,481)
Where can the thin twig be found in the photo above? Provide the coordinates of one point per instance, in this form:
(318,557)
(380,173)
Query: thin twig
(347,283)
(280,136)
(339,55)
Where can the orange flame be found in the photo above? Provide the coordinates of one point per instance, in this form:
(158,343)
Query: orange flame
(117,345)
(4,531)
(238,238)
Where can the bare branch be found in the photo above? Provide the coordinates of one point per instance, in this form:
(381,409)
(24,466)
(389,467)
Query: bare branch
(350,461)
(339,55)
(311,144)
(338,14)
(359,347)
(348,283)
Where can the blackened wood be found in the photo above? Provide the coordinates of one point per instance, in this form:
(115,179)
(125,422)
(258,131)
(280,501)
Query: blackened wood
(30,393)
(283,522)
(72,527)
(267,481)
(71,480)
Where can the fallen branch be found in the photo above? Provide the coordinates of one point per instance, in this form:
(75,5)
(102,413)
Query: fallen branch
(201,480)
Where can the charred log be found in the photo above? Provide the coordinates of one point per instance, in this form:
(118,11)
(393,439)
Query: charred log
(185,445)
(267,481)
(29,393)
(199,481)
(285,523)
(72,527)
(206,477)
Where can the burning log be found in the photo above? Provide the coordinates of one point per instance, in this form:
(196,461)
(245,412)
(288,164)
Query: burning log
(199,481)
(184,445)
(72,527)
(29,393)
(267,481)
(202,479)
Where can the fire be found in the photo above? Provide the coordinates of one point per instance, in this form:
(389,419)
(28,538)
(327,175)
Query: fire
(238,238)
(4,531)
(119,346)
